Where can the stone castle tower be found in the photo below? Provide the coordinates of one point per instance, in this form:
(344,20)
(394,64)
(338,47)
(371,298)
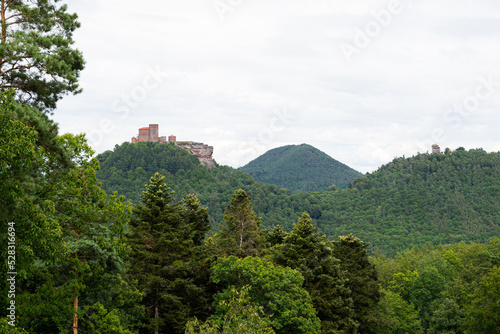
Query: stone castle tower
(149,133)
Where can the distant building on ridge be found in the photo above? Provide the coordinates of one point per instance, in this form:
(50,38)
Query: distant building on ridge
(436,149)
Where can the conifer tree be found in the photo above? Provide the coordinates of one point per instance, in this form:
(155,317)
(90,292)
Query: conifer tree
(276,235)
(241,235)
(165,238)
(37,58)
(362,280)
(311,254)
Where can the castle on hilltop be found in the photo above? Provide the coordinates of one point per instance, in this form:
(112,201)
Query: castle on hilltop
(151,134)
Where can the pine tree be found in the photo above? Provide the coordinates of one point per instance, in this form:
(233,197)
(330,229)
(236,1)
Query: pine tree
(36,54)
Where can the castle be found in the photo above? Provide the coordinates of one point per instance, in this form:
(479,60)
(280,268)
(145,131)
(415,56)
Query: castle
(151,134)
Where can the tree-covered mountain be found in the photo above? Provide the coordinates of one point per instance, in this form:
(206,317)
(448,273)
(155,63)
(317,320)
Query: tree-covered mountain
(300,167)
(410,201)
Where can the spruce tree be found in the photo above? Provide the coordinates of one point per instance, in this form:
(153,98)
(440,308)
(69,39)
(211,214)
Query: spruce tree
(311,254)
(165,239)
(362,280)
(241,235)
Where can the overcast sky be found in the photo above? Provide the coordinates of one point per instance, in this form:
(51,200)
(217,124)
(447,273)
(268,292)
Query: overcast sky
(363,81)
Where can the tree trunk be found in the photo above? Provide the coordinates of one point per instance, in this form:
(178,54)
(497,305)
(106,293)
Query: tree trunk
(75,316)
(157,331)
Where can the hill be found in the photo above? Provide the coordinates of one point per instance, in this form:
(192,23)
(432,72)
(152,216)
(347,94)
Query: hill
(410,201)
(427,198)
(300,167)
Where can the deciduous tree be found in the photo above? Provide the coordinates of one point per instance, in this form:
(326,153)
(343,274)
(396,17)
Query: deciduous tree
(87,273)
(276,289)
(241,317)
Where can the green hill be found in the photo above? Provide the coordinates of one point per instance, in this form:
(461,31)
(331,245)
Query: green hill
(300,167)
(427,198)
(410,201)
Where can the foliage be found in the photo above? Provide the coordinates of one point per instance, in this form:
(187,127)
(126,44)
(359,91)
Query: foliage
(36,53)
(166,239)
(454,287)
(5,328)
(30,154)
(300,167)
(103,322)
(362,280)
(276,289)
(306,251)
(241,318)
(483,313)
(426,289)
(447,318)
(241,235)
(399,316)
(89,264)
(68,232)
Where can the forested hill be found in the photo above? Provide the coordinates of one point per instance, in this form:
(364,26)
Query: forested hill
(409,201)
(427,198)
(300,167)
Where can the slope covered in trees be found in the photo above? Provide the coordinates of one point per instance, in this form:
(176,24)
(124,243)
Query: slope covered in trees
(300,167)
(427,198)
(410,201)
(444,289)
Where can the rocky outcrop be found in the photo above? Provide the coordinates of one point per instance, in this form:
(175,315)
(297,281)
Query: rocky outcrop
(202,151)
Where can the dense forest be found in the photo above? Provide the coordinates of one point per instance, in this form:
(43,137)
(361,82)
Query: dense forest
(300,168)
(91,262)
(143,239)
(410,201)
